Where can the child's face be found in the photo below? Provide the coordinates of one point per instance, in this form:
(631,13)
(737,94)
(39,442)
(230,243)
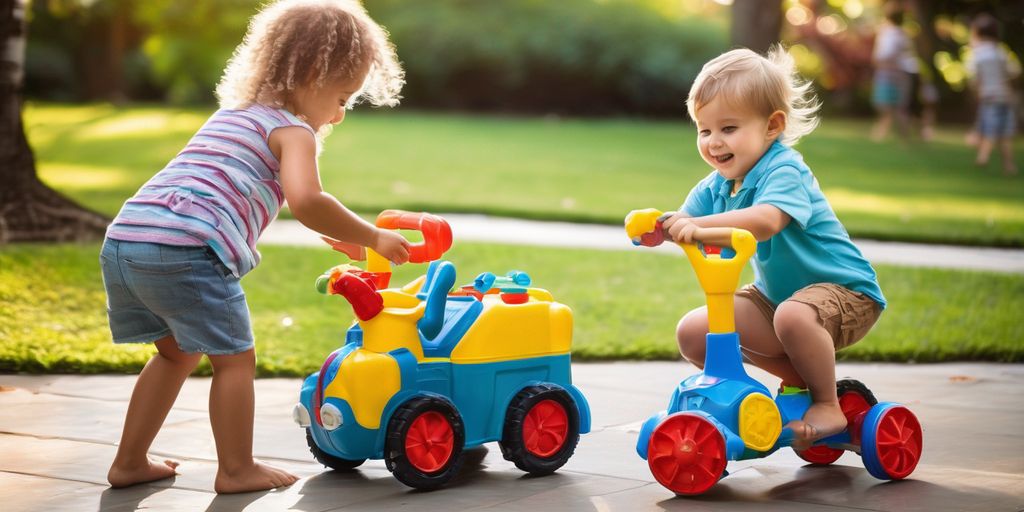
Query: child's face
(320,106)
(733,139)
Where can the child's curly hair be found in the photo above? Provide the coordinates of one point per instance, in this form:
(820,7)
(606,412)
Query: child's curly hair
(763,84)
(297,43)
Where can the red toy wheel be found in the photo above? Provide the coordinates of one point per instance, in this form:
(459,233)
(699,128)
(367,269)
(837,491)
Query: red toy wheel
(686,453)
(546,428)
(424,442)
(821,454)
(429,442)
(892,442)
(541,429)
(855,400)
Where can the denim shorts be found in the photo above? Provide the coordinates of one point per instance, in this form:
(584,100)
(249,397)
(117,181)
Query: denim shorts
(996,120)
(154,290)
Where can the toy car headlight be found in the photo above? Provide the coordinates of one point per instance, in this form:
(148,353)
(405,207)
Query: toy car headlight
(300,415)
(330,416)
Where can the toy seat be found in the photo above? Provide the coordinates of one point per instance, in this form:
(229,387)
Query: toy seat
(446,318)
(459,315)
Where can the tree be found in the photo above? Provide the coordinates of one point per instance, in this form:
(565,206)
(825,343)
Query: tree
(756,24)
(29,210)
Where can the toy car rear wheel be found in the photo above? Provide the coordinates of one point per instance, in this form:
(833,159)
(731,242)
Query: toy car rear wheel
(424,443)
(541,429)
(855,399)
(336,463)
(686,453)
(891,441)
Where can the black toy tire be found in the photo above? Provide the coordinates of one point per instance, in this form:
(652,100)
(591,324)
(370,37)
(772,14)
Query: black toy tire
(394,445)
(513,446)
(335,463)
(845,385)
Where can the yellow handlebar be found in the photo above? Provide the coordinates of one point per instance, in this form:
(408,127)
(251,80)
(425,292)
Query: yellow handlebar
(718,277)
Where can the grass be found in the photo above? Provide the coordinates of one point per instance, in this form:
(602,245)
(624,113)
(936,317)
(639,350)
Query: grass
(577,170)
(626,305)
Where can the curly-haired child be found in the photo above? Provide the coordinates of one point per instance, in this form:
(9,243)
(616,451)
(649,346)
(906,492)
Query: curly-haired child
(814,292)
(173,256)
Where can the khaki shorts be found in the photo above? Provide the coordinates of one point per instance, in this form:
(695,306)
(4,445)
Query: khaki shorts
(846,315)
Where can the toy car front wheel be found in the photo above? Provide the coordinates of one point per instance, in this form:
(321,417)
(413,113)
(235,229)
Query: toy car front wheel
(541,429)
(855,399)
(686,453)
(424,442)
(329,460)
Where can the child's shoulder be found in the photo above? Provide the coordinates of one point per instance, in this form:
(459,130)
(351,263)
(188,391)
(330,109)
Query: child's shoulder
(782,160)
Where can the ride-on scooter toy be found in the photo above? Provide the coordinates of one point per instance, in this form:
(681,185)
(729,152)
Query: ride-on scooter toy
(426,372)
(723,414)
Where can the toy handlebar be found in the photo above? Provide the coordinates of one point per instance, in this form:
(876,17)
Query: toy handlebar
(437,237)
(718,277)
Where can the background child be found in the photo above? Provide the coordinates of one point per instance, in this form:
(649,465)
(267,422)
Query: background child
(895,63)
(991,70)
(175,253)
(814,292)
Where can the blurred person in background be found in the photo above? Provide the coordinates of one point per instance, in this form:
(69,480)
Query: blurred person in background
(893,57)
(991,72)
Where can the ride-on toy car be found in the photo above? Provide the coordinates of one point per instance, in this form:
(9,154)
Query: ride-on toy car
(723,414)
(426,372)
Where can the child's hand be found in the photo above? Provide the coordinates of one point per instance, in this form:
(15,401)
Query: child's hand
(680,228)
(392,246)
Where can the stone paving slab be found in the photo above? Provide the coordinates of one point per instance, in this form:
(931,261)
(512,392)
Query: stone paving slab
(58,433)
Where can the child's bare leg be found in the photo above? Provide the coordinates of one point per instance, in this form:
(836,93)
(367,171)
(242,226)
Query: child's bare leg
(1006,148)
(757,338)
(985,146)
(812,353)
(232,409)
(154,394)
(881,129)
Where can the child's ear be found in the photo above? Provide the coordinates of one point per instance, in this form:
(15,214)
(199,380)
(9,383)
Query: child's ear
(776,124)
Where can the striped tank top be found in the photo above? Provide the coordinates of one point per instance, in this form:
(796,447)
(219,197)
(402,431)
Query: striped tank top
(222,190)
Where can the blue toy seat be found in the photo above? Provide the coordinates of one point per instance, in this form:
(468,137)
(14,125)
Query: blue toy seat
(459,315)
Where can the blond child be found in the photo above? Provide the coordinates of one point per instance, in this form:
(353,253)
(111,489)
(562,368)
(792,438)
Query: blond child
(814,292)
(173,256)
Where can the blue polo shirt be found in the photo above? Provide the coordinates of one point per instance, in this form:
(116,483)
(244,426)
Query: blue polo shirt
(813,248)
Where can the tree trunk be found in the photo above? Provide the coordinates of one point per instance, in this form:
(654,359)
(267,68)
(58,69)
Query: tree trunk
(29,210)
(756,24)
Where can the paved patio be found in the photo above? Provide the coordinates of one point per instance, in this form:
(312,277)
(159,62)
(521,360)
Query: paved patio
(58,434)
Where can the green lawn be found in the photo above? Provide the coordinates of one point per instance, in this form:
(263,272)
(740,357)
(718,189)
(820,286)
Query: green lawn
(585,170)
(626,305)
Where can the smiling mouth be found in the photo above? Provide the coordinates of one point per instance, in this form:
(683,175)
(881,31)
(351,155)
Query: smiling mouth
(722,158)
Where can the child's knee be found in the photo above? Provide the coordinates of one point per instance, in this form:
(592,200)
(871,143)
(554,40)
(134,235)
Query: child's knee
(691,334)
(793,318)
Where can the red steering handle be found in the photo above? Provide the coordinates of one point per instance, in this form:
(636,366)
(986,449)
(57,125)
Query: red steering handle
(437,234)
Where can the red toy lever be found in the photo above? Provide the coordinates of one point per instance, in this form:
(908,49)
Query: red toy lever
(437,234)
(359,292)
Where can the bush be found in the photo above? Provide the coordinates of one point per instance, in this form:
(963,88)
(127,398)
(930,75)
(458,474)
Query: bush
(570,56)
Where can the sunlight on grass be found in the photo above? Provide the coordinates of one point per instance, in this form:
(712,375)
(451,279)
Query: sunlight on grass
(589,170)
(83,177)
(141,123)
(900,207)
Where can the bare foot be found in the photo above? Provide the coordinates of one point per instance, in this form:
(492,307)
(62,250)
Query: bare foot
(821,420)
(123,476)
(257,477)
(1010,170)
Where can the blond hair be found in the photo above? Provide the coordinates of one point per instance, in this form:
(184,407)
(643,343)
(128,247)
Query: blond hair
(300,43)
(763,84)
